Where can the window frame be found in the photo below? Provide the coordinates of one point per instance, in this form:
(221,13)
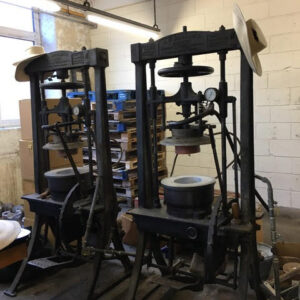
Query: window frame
(34,37)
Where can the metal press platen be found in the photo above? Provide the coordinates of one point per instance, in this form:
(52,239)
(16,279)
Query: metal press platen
(64,135)
(186,138)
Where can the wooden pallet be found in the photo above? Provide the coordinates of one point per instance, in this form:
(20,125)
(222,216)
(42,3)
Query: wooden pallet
(131,135)
(127,165)
(120,172)
(130,192)
(117,154)
(133,181)
(122,116)
(129,145)
(126,183)
(161,155)
(124,105)
(118,127)
(128,135)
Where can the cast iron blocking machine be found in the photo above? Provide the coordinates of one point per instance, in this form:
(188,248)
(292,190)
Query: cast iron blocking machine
(80,202)
(215,231)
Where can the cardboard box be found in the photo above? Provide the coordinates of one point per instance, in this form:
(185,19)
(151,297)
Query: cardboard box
(130,229)
(56,160)
(25,119)
(25,115)
(26,157)
(28,187)
(288,249)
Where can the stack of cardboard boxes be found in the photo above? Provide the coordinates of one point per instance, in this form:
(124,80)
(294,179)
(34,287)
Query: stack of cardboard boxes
(26,150)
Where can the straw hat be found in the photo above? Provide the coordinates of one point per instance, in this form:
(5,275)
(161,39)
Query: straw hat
(251,38)
(9,230)
(30,54)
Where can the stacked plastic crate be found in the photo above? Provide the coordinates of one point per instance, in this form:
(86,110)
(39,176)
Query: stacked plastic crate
(122,126)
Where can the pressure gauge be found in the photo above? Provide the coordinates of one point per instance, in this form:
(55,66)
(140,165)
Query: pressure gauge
(211,94)
(78,110)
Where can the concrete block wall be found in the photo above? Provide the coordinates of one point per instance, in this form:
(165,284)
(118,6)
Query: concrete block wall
(277,92)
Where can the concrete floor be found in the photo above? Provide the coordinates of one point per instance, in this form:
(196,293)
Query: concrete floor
(72,283)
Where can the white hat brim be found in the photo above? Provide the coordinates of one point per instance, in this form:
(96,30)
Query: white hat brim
(240,27)
(9,231)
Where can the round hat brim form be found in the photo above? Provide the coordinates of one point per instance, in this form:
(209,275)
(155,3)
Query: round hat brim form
(9,231)
(240,27)
(20,74)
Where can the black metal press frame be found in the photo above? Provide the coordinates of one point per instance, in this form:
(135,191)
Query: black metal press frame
(47,210)
(152,220)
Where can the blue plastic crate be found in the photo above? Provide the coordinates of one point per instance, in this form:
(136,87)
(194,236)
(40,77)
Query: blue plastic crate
(115,126)
(120,94)
(92,95)
(120,174)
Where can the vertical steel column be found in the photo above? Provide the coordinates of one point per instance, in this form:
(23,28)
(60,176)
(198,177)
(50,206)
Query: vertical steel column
(247,144)
(249,257)
(87,105)
(40,156)
(153,108)
(106,188)
(143,139)
(223,114)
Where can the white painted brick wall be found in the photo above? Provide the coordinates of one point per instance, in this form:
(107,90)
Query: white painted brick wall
(276,93)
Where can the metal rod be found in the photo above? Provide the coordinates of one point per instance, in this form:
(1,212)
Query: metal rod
(209,111)
(235,153)
(154,14)
(174,164)
(60,124)
(273,234)
(257,194)
(106,14)
(171,251)
(111,251)
(223,113)
(70,157)
(91,214)
(213,146)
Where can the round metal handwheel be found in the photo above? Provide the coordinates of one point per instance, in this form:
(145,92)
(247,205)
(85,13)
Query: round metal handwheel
(185,71)
(62,85)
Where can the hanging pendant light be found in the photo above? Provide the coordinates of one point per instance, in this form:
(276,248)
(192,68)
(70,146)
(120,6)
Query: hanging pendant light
(122,26)
(116,22)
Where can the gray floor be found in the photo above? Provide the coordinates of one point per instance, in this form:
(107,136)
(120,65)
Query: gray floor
(71,284)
